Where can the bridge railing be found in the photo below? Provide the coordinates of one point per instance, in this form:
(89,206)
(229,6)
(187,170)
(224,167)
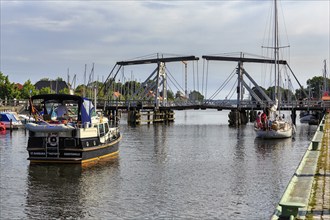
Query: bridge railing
(213,103)
(187,103)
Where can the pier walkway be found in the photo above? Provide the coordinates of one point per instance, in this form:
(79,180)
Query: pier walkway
(319,201)
(307,195)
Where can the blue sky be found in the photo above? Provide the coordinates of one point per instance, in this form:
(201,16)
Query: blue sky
(46,38)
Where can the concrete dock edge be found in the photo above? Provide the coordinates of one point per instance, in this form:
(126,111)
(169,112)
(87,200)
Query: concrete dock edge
(307,195)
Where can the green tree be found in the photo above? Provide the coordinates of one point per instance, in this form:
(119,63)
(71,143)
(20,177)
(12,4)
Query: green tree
(6,88)
(28,90)
(16,92)
(170,95)
(196,96)
(315,86)
(301,93)
(45,90)
(64,91)
(80,90)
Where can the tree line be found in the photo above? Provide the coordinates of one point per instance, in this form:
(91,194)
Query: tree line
(133,90)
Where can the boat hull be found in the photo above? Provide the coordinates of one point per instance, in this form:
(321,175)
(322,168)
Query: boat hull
(74,155)
(273,134)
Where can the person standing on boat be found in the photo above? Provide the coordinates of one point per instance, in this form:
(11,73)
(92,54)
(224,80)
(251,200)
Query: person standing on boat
(258,120)
(264,120)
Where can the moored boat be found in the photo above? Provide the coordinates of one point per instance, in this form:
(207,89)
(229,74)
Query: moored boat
(312,118)
(69,131)
(273,125)
(282,130)
(10,120)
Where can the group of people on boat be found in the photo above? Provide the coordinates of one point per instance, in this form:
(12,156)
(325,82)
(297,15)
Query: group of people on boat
(57,115)
(264,122)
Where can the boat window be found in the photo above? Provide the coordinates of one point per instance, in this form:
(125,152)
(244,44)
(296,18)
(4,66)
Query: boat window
(101,128)
(106,128)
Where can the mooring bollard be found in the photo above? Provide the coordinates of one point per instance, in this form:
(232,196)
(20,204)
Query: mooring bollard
(321,127)
(290,209)
(315,145)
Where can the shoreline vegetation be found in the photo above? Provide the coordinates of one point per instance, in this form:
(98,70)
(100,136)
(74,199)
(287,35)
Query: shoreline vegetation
(131,90)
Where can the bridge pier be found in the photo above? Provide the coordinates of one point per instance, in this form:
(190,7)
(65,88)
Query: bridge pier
(238,117)
(253,115)
(136,116)
(113,116)
(293,116)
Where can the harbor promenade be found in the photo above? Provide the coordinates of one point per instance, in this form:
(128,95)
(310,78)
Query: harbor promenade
(319,201)
(307,195)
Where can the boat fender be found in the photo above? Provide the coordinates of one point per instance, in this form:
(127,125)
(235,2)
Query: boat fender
(52,140)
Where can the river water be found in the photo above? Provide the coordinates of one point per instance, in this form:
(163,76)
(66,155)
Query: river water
(194,168)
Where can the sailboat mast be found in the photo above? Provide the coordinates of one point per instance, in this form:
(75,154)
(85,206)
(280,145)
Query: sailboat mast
(276,52)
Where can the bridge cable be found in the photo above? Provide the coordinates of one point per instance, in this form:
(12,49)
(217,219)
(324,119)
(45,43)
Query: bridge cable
(207,74)
(194,75)
(232,89)
(222,86)
(197,77)
(203,78)
(174,80)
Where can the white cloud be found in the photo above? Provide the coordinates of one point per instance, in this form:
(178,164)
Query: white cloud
(55,35)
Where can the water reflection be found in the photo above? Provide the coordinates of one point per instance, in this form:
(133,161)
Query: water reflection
(62,191)
(266,145)
(194,168)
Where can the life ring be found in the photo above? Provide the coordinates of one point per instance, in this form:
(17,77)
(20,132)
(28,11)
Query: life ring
(52,140)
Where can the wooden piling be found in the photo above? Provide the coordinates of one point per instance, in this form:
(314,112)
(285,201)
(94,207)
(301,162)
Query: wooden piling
(237,117)
(148,117)
(11,125)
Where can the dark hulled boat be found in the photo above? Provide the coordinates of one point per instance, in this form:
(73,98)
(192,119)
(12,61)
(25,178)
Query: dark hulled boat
(68,130)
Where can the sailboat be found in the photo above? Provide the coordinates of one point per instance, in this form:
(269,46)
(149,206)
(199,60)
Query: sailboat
(271,125)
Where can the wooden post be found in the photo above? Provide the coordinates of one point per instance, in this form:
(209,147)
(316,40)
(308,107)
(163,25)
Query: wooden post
(293,116)
(148,117)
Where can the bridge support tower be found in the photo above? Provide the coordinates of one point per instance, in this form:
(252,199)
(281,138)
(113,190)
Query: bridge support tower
(238,117)
(137,117)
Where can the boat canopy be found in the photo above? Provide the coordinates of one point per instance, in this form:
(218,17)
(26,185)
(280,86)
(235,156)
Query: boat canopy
(85,106)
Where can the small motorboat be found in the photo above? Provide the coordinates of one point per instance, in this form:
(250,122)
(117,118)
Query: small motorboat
(10,120)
